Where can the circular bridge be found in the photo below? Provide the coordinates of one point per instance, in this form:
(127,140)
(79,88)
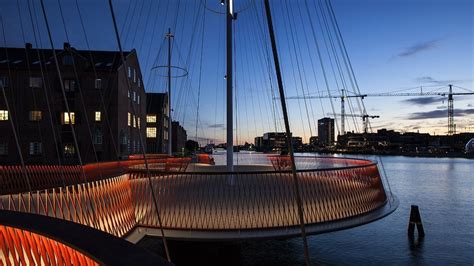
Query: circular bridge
(257,201)
(199,201)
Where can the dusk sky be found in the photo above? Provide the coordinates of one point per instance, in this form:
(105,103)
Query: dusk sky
(392,44)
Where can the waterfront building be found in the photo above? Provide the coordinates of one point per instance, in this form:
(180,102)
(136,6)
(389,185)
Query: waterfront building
(326,131)
(179,137)
(157,122)
(276,141)
(105,123)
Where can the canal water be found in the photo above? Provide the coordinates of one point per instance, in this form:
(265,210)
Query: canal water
(443,188)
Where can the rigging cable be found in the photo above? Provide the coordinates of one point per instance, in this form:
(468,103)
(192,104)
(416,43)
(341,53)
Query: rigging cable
(124,63)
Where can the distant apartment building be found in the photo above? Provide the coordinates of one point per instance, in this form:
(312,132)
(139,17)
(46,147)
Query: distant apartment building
(179,137)
(276,141)
(326,131)
(157,123)
(106,116)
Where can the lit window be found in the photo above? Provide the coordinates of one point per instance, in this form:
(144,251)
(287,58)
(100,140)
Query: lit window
(129,120)
(3,148)
(98,116)
(36,115)
(69,85)
(151,118)
(36,82)
(98,137)
(69,150)
(68,118)
(3,81)
(3,115)
(138,122)
(134,122)
(98,83)
(151,132)
(36,148)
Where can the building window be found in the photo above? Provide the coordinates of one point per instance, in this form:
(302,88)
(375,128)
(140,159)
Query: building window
(134,122)
(36,148)
(69,85)
(3,115)
(129,120)
(3,81)
(151,118)
(138,122)
(134,96)
(68,118)
(129,72)
(36,82)
(3,148)
(68,60)
(98,116)
(138,99)
(139,82)
(36,115)
(98,84)
(134,76)
(151,132)
(69,150)
(128,93)
(98,136)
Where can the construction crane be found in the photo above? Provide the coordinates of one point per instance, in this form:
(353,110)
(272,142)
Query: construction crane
(450,94)
(343,97)
(364,117)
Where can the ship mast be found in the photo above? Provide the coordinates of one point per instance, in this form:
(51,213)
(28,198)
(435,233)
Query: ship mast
(230,126)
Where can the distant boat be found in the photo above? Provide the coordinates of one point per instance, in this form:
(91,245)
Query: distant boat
(218,151)
(470,147)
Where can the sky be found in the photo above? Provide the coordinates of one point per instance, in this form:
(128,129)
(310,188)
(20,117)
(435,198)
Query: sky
(392,45)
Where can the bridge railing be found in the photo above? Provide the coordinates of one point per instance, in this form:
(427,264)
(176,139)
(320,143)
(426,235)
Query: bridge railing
(255,200)
(28,239)
(209,200)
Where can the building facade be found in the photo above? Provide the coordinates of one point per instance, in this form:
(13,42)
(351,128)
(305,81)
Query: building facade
(157,123)
(326,131)
(87,113)
(179,137)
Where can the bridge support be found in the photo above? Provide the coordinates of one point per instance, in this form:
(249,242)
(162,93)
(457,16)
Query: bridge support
(415,219)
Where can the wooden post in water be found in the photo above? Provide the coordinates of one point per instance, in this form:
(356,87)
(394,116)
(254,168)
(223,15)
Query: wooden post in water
(415,219)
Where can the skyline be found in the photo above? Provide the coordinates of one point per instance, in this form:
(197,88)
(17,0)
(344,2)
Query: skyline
(391,45)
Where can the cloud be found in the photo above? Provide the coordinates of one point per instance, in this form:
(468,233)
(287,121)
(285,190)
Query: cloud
(470,105)
(440,114)
(423,100)
(419,47)
(216,126)
(442,107)
(431,80)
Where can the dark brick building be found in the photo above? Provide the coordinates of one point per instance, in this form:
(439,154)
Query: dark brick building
(179,137)
(157,122)
(99,99)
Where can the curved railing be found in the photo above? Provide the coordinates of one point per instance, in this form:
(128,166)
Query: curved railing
(28,239)
(256,200)
(332,189)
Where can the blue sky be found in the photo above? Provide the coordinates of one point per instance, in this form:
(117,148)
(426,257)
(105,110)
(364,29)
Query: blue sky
(392,45)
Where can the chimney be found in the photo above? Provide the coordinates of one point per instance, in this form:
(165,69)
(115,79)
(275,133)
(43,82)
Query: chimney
(67,46)
(28,46)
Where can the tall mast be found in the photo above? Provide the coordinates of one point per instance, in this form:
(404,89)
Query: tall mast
(170,150)
(287,129)
(230,126)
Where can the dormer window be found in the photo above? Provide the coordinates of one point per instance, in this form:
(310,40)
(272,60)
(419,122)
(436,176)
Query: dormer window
(98,84)
(68,60)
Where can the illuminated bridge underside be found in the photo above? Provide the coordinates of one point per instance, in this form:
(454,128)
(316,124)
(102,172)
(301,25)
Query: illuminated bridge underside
(216,205)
